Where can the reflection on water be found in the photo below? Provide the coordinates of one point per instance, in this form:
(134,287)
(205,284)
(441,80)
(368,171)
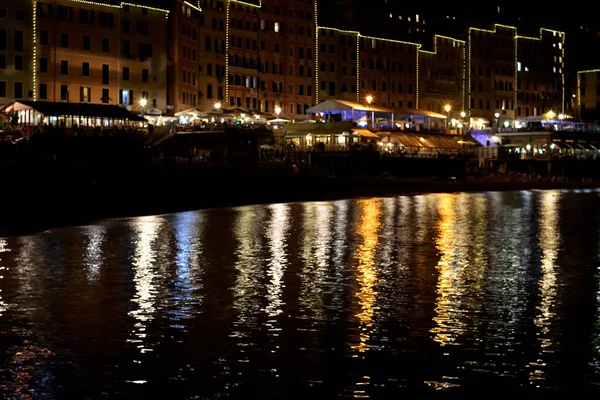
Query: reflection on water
(369,298)
(145,276)
(368,227)
(549,242)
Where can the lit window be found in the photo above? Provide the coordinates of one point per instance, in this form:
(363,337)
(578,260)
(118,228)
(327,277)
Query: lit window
(276,26)
(519,66)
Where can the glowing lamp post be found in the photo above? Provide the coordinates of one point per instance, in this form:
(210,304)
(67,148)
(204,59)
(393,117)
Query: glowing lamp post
(560,119)
(369,100)
(277,111)
(217,105)
(497,115)
(447,108)
(143,104)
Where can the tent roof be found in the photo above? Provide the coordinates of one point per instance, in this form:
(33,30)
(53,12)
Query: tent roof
(338,105)
(56,109)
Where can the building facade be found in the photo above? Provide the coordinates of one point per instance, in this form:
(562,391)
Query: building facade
(16,51)
(588,95)
(100,53)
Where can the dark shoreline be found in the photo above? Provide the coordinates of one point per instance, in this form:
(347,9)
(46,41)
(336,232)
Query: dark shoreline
(52,198)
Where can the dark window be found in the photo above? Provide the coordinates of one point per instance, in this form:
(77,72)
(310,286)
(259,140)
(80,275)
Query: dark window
(105,19)
(19,63)
(43,65)
(64,92)
(43,91)
(64,67)
(87,43)
(3,13)
(64,40)
(2,89)
(125,73)
(105,96)
(20,15)
(85,69)
(105,74)
(44,38)
(2,39)
(86,16)
(18,90)
(144,75)
(125,25)
(65,13)
(143,28)
(105,45)
(126,48)
(18,40)
(2,61)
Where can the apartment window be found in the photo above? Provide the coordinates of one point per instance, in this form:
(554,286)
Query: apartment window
(19,63)
(2,89)
(125,96)
(2,13)
(64,40)
(85,69)
(105,74)
(144,75)
(126,48)
(105,45)
(18,41)
(43,91)
(64,67)
(44,65)
(87,44)
(2,39)
(2,61)
(85,94)
(18,90)
(143,28)
(125,26)
(44,38)
(20,14)
(125,76)
(87,16)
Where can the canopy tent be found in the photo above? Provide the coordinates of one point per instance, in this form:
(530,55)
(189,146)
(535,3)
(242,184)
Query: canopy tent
(190,112)
(59,109)
(330,105)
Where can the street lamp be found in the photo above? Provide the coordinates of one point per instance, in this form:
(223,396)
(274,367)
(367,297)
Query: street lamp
(560,119)
(217,105)
(497,115)
(447,108)
(143,104)
(369,100)
(277,111)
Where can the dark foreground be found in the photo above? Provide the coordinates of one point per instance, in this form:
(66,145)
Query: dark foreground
(61,195)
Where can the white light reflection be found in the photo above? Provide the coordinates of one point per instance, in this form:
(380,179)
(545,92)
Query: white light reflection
(3,249)
(340,262)
(315,252)
(147,229)
(95,236)
(549,241)
(248,282)
(277,229)
(186,292)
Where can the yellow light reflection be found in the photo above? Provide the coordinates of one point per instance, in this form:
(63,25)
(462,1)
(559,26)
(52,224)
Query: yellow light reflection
(277,229)
(147,229)
(3,249)
(549,241)
(368,230)
(461,266)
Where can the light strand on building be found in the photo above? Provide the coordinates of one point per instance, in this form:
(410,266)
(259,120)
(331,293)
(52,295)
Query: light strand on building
(227,52)
(317,49)
(34,50)
(358,88)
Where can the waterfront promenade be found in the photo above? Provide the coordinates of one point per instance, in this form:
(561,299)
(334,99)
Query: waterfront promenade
(57,195)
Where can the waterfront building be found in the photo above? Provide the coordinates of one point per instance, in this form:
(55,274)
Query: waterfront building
(588,95)
(212,56)
(183,60)
(16,51)
(101,53)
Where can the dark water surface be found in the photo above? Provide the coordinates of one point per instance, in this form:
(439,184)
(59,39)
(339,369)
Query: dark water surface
(375,298)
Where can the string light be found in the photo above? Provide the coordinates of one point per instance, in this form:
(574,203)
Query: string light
(193,6)
(34,48)
(227,53)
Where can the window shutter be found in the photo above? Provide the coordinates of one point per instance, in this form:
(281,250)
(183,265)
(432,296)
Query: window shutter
(120,96)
